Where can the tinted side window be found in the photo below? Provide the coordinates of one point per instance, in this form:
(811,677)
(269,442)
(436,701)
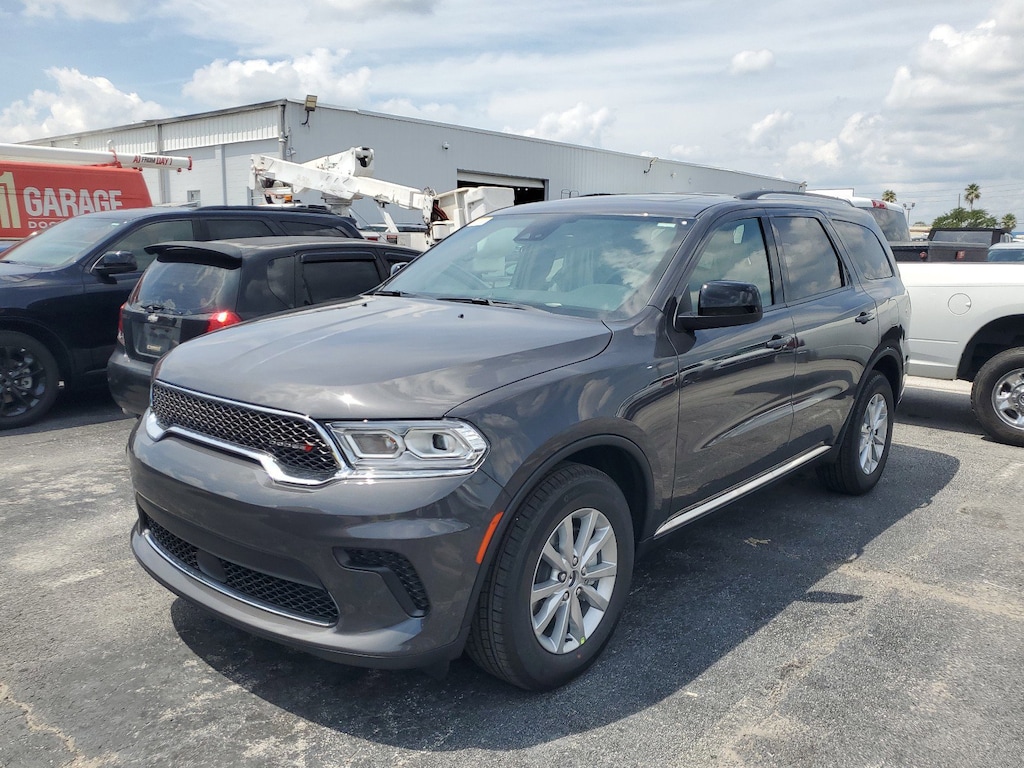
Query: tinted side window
(281,279)
(311,229)
(735,251)
(865,250)
(326,280)
(228,229)
(155,232)
(812,264)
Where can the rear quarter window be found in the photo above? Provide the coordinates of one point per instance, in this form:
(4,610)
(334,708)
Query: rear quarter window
(188,289)
(868,255)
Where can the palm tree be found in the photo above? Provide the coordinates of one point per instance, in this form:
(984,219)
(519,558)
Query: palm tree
(972,193)
(1009,222)
(889,196)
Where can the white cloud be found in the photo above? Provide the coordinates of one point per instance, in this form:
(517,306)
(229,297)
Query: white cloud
(809,154)
(768,131)
(958,71)
(322,72)
(80,103)
(578,125)
(745,62)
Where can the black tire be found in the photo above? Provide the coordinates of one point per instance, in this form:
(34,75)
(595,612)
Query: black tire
(861,460)
(522,586)
(29,379)
(997,397)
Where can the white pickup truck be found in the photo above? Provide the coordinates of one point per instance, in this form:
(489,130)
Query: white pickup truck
(968,323)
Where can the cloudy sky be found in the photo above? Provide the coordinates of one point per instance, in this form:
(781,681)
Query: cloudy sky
(919,96)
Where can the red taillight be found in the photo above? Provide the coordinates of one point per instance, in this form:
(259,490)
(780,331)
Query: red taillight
(222,320)
(120,325)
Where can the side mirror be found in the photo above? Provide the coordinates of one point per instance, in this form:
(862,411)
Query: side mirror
(396,267)
(116,263)
(722,304)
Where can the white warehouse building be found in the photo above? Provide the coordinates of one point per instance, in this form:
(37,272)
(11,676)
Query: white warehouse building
(407,151)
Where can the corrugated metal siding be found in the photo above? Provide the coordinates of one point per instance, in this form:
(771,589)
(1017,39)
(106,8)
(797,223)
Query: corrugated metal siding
(230,128)
(414,153)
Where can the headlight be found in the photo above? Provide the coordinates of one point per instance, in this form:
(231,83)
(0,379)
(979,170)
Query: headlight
(409,448)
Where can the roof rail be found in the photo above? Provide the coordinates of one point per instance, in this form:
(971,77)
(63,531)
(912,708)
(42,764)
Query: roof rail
(787,192)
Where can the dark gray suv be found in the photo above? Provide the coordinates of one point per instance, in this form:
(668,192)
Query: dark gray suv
(472,457)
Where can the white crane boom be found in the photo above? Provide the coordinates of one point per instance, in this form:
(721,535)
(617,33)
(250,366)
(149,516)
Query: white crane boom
(346,176)
(63,156)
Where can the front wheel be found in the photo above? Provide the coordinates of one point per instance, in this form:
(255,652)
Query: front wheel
(858,466)
(559,583)
(28,380)
(997,397)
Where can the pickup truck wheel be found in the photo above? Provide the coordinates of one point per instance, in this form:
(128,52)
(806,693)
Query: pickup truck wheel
(865,448)
(28,380)
(559,583)
(997,397)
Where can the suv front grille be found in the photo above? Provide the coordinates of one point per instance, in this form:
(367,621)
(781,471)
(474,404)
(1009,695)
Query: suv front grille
(289,597)
(296,446)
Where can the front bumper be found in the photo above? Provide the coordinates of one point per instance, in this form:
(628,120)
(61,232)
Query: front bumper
(377,574)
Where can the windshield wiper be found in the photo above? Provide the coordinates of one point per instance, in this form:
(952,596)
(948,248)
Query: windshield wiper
(484,302)
(391,293)
(154,307)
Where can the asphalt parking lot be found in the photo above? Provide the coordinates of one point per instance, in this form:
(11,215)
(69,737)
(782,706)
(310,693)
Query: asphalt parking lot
(796,628)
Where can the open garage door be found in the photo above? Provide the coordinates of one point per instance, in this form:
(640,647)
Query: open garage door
(526,190)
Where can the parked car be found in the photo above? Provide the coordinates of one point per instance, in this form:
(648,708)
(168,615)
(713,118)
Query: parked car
(1010,251)
(196,287)
(61,289)
(472,457)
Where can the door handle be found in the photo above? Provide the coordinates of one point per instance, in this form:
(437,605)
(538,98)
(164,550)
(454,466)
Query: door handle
(780,342)
(865,317)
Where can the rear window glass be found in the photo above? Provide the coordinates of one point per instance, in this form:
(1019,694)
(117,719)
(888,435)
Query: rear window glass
(892,223)
(187,289)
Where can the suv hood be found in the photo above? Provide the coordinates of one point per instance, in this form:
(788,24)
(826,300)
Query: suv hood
(380,357)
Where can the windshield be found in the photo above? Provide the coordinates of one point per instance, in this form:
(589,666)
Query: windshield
(1006,254)
(62,243)
(590,265)
(892,223)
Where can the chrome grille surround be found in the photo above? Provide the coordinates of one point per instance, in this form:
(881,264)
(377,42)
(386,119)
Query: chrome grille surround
(291,448)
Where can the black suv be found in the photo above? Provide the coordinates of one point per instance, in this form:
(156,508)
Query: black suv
(61,289)
(472,457)
(196,287)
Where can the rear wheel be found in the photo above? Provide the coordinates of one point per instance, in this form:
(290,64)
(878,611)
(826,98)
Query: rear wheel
(559,584)
(865,448)
(28,379)
(997,397)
